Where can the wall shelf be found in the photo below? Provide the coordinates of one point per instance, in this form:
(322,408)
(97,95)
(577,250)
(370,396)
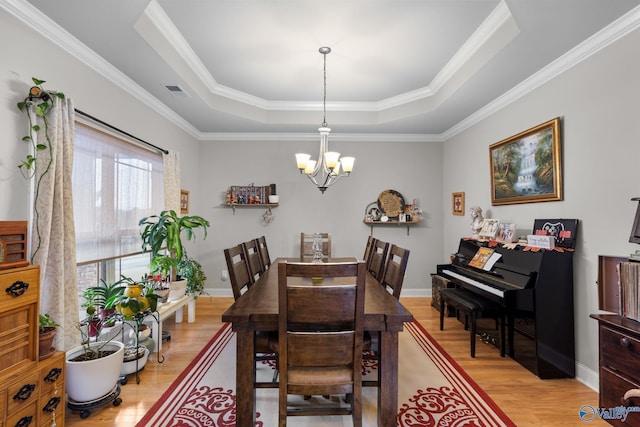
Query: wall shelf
(408,224)
(254,205)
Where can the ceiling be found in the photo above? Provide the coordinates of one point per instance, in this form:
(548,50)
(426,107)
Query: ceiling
(399,69)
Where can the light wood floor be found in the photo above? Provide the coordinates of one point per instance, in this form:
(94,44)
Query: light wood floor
(526,399)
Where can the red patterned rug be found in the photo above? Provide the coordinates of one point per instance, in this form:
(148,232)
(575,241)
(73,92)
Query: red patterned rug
(433,391)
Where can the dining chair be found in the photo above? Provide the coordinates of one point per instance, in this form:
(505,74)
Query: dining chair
(396,265)
(320,337)
(368,249)
(264,252)
(392,280)
(306,245)
(252,252)
(378,258)
(240,278)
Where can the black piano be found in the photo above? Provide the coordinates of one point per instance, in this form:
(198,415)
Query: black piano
(536,289)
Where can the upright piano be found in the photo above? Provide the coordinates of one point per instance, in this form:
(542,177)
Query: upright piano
(536,289)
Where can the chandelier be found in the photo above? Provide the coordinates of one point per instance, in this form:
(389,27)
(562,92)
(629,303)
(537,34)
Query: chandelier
(325,171)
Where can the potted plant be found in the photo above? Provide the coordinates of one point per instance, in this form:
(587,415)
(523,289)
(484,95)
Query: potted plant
(135,299)
(37,106)
(191,270)
(47,332)
(99,295)
(164,232)
(92,370)
(90,299)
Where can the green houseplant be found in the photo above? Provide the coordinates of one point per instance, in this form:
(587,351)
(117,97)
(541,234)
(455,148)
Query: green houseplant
(191,270)
(47,332)
(165,231)
(37,106)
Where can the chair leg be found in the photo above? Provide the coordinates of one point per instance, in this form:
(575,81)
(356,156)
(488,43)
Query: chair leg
(502,343)
(473,333)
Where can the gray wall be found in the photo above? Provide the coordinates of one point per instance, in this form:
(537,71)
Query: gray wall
(413,169)
(598,101)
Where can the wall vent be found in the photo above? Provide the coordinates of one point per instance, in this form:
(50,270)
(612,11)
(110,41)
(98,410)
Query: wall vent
(176,91)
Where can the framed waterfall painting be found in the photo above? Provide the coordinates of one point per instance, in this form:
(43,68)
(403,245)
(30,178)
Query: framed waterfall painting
(527,167)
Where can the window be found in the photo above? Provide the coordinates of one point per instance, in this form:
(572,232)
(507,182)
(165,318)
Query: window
(116,182)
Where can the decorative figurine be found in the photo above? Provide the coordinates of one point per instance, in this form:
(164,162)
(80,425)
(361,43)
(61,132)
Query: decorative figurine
(476,220)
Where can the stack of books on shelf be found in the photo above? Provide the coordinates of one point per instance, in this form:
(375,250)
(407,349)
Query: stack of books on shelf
(629,281)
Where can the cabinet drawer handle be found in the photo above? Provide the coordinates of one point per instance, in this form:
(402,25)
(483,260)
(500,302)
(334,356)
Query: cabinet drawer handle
(18,288)
(624,341)
(52,404)
(53,375)
(24,421)
(25,392)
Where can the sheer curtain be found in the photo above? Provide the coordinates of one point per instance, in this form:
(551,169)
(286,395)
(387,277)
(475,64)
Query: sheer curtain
(171,161)
(52,226)
(116,183)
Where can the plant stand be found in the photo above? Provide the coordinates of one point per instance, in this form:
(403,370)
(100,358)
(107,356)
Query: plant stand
(85,407)
(167,309)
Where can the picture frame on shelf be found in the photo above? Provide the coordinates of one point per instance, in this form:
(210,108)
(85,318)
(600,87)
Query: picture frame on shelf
(457,203)
(184,201)
(489,229)
(507,233)
(526,168)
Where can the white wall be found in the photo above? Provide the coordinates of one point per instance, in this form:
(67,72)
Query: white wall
(598,101)
(413,169)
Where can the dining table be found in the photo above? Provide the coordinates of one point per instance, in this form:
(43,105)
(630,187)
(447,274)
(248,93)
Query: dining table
(257,310)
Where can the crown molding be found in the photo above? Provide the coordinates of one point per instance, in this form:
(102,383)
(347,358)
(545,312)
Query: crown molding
(43,25)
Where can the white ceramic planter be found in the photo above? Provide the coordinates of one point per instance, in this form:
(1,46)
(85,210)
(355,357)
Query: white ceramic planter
(93,379)
(178,290)
(130,367)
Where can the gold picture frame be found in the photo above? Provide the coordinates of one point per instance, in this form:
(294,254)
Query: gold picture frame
(184,201)
(457,203)
(526,168)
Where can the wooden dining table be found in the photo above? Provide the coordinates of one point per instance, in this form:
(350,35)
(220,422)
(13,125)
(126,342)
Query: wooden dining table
(257,310)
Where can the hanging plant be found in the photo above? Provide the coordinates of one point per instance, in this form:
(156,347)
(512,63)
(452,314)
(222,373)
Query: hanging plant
(37,105)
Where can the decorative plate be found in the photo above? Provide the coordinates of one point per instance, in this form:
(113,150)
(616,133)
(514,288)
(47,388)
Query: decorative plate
(391,203)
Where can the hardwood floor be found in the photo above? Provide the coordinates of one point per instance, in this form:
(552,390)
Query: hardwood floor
(526,399)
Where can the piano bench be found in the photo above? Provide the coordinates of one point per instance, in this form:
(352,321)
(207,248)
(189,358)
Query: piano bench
(474,307)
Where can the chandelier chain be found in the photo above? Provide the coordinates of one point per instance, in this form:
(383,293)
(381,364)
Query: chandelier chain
(324,99)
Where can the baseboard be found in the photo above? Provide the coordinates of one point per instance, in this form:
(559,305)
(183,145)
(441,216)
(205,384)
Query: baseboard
(406,293)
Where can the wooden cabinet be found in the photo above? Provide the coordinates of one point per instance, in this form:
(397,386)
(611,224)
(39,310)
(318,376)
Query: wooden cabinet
(19,299)
(619,368)
(36,397)
(31,392)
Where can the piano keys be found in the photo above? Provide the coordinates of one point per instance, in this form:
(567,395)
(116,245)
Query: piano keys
(536,290)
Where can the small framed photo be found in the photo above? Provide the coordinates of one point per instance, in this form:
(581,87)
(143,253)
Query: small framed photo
(489,228)
(184,201)
(457,203)
(507,233)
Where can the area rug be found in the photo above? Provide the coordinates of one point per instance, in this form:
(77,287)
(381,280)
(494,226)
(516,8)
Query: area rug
(432,391)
